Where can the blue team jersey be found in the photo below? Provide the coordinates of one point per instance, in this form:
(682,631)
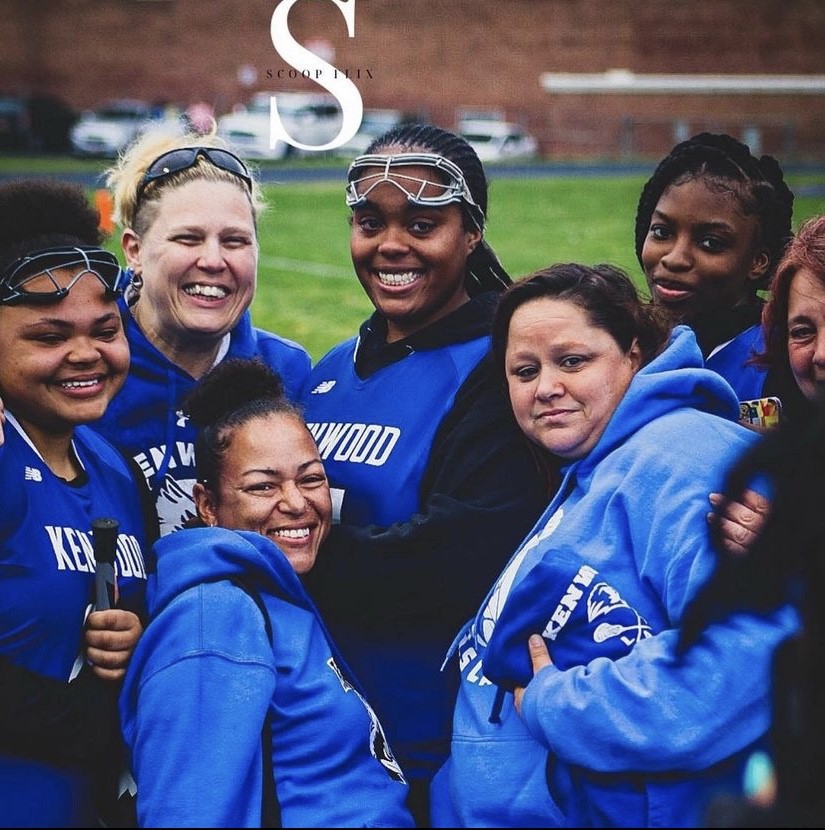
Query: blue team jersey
(375,437)
(730,361)
(47,574)
(375,434)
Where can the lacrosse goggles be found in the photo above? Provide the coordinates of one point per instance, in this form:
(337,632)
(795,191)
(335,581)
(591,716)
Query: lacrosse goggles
(48,275)
(434,192)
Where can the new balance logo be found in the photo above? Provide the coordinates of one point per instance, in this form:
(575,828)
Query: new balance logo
(32,474)
(322,387)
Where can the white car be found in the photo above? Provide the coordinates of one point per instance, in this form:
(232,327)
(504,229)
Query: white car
(108,130)
(375,122)
(498,140)
(311,118)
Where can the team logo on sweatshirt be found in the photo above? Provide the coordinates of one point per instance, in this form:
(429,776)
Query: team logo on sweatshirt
(173,492)
(625,623)
(624,628)
(379,748)
(175,504)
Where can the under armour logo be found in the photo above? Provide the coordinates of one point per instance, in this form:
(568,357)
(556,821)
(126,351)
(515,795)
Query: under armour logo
(32,474)
(323,386)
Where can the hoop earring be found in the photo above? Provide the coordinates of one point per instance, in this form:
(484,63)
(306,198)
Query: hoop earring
(132,293)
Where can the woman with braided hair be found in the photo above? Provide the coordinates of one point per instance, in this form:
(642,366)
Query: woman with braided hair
(433,482)
(711,225)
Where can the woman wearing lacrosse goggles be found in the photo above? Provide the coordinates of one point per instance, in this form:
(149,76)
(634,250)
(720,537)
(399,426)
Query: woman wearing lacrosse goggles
(64,357)
(188,208)
(432,479)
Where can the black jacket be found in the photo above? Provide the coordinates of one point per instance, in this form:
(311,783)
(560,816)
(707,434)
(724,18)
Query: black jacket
(481,492)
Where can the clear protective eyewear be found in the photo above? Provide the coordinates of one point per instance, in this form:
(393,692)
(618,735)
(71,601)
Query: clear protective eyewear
(48,275)
(423,192)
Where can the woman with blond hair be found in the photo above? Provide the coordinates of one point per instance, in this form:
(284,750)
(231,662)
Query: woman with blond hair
(188,208)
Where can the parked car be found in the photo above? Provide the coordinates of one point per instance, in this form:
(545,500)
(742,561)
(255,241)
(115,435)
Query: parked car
(311,118)
(498,140)
(375,122)
(463,114)
(109,129)
(14,124)
(37,123)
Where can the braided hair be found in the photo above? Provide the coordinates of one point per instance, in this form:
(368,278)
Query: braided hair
(484,270)
(758,183)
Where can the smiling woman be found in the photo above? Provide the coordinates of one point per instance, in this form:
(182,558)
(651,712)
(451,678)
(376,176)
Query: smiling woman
(188,209)
(256,714)
(793,324)
(64,357)
(433,481)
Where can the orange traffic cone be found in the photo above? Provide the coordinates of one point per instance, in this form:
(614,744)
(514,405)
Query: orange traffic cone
(104,206)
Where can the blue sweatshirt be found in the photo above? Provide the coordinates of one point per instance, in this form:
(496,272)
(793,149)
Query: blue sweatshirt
(621,730)
(204,675)
(145,418)
(47,577)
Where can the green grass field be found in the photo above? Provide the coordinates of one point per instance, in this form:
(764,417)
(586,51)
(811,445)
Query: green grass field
(307,290)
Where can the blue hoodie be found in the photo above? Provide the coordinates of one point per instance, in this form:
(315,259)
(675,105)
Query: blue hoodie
(622,730)
(204,675)
(145,418)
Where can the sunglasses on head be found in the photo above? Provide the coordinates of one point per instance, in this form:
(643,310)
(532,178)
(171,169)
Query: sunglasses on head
(43,276)
(174,161)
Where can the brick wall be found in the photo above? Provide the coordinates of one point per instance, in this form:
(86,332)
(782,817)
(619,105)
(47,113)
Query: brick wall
(438,55)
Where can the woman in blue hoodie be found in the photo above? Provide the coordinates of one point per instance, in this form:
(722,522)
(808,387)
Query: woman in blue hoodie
(238,708)
(188,209)
(618,727)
